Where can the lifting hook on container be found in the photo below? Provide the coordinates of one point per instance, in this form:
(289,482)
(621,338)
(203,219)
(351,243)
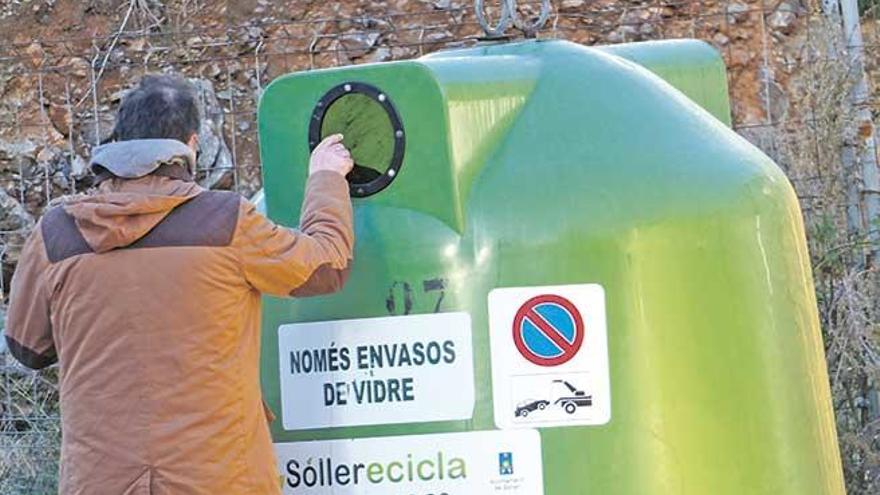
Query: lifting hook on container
(509,14)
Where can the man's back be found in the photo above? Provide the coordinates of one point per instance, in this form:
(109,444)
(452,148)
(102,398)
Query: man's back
(149,295)
(161,375)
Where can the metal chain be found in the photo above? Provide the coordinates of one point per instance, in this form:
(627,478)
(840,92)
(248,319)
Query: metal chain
(510,15)
(503,22)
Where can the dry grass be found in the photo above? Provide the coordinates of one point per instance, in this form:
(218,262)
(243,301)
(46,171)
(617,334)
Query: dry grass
(813,147)
(30,433)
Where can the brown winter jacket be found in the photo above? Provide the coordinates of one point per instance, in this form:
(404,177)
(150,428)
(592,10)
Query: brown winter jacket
(148,296)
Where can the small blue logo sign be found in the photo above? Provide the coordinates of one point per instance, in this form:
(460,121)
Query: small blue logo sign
(505,463)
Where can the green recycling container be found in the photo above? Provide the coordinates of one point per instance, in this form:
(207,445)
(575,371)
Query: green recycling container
(571,277)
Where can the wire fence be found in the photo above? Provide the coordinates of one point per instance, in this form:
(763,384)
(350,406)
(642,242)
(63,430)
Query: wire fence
(59,89)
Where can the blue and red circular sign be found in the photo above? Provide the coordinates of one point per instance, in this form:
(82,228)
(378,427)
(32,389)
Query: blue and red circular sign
(548,330)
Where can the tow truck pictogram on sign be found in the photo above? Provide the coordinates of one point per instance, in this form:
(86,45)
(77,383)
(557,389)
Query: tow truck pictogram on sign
(569,401)
(548,330)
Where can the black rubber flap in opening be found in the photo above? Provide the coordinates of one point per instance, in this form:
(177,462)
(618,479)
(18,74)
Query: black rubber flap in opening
(372,129)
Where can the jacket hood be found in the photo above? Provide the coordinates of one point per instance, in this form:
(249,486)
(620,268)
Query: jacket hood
(123,211)
(140,157)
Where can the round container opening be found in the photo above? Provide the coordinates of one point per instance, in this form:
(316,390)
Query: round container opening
(372,129)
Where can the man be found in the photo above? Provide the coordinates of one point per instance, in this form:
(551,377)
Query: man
(147,293)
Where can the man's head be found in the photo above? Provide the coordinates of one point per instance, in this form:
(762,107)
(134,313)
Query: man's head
(161,107)
(156,132)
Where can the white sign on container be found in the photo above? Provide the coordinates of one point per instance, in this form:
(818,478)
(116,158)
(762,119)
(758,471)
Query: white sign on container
(398,369)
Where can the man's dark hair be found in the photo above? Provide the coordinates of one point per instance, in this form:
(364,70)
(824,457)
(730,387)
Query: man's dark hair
(161,107)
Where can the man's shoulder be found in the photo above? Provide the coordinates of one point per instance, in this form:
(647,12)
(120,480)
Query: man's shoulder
(225,204)
(209,219)
(59,234)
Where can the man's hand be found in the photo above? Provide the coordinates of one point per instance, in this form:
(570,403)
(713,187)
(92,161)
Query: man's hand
(331,154)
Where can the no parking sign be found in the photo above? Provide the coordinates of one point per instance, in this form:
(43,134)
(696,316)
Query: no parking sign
(548,330)
(549,356)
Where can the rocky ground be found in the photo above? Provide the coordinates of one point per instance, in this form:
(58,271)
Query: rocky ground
(65,65)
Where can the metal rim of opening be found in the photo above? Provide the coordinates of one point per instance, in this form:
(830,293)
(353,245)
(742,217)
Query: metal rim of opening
(337,92)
